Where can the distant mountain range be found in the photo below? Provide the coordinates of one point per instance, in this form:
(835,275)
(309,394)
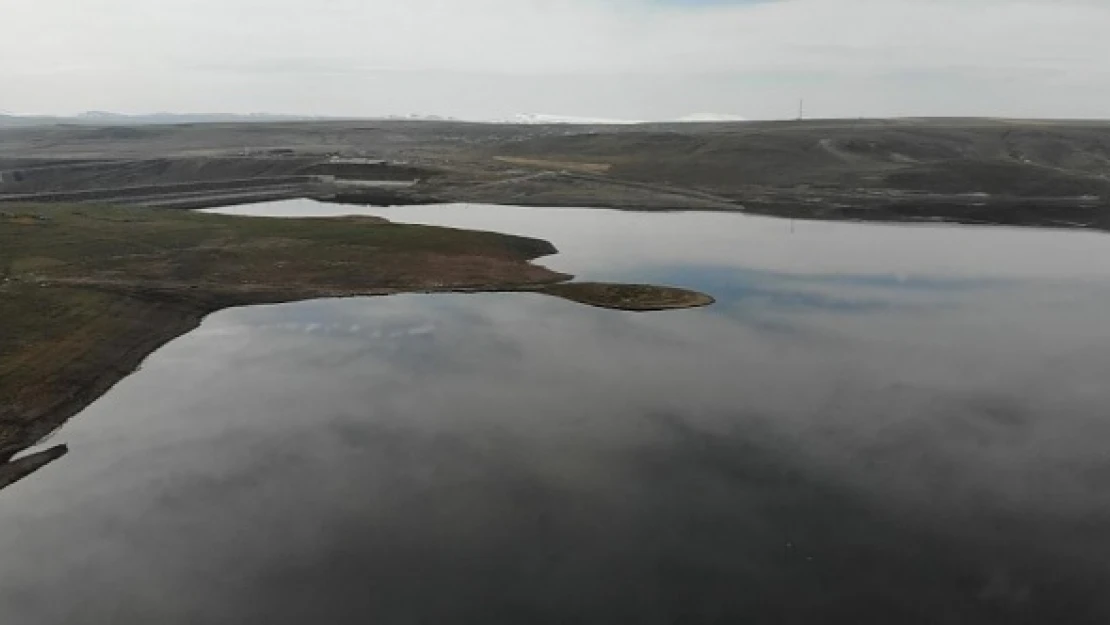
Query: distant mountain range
(711,117)
(533,118)
(102,118)
(540,119)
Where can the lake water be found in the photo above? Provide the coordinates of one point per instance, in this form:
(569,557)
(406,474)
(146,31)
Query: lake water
(875,424)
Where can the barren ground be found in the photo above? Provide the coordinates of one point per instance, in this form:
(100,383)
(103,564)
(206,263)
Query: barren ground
(1014,172)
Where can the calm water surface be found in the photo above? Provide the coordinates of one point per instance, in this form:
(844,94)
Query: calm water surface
(875,424)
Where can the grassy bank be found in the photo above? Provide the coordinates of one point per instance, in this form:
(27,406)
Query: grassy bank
(87,292)
(631,297)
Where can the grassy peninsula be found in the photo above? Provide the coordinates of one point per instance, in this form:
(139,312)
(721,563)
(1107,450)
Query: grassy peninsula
(87,292)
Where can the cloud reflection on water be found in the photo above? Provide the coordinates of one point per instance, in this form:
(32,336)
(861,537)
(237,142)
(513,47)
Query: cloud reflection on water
(821,446)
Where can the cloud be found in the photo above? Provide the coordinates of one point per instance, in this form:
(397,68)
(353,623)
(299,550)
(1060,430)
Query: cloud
(273,48)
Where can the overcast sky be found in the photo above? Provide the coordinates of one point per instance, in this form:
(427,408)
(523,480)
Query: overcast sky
(629,59)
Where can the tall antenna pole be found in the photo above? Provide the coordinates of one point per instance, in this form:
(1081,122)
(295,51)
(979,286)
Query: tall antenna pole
(801,109)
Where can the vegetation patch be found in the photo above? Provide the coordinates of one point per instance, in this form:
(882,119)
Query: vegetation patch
(633,297)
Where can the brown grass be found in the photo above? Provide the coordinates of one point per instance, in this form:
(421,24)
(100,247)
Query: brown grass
(633,297)
(87,292)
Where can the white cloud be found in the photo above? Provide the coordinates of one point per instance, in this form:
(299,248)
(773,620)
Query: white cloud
(360,56)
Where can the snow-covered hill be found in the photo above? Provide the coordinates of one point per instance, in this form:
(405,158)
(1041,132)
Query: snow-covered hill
(712,117)
(539,118)
(534,118)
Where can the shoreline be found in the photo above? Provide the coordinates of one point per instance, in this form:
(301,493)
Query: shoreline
(79,323)
(130,360)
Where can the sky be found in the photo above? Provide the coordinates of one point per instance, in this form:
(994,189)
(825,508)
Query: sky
(617,59)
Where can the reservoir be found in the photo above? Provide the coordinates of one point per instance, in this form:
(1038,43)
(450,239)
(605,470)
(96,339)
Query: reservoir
(873,424)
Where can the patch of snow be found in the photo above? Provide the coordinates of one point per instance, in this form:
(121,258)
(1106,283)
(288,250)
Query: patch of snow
(712,117)
(419,117)
(540,118)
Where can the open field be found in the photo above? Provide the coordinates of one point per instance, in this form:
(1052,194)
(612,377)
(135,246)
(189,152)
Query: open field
(87,292)
(989,171)
(546,164)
